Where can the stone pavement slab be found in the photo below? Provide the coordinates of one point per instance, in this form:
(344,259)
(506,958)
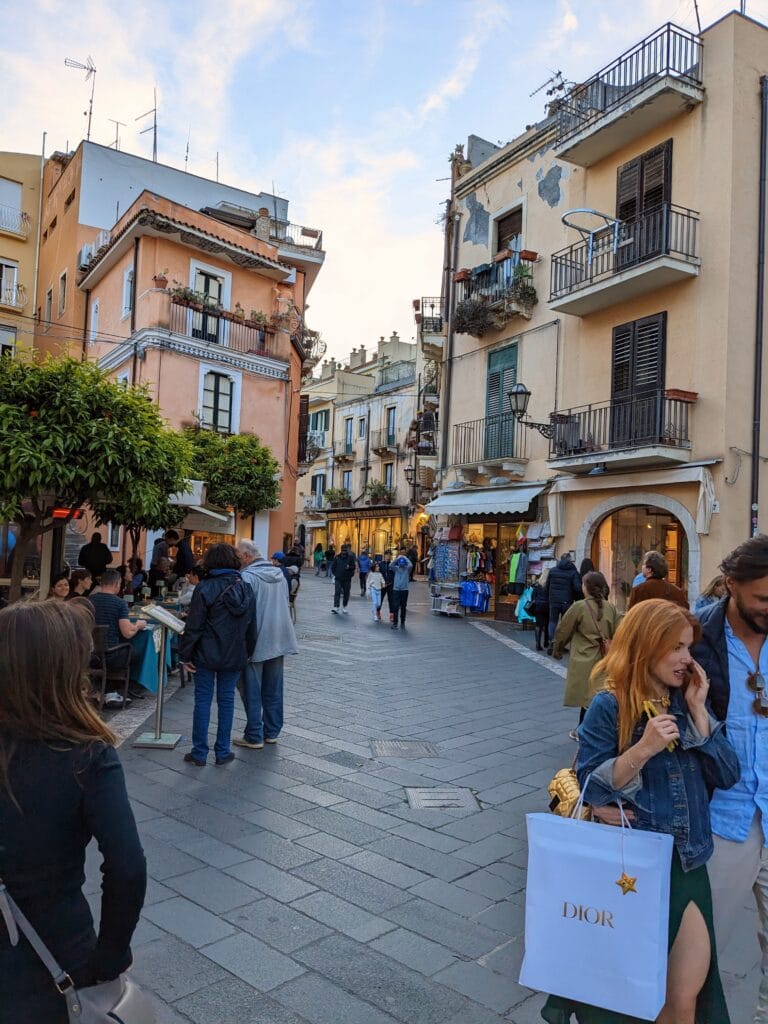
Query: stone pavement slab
(296,885)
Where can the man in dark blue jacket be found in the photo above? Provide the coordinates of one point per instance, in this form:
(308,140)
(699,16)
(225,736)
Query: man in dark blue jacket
(734,654)
(343,569)
(562,588)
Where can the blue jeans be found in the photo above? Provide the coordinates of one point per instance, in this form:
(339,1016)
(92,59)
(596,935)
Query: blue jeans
(262,692)
(375,601)
(225,683)
(556,611)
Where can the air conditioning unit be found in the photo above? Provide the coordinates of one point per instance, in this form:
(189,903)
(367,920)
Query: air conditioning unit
(84,257)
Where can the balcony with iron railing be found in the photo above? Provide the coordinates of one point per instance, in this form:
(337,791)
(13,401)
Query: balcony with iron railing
(492,440)
(212,327)
(298,235)
(431,326)
(650,429)
(383,440)
(649,84)
(344,451)
(14,221)
(630,258)
(13,296)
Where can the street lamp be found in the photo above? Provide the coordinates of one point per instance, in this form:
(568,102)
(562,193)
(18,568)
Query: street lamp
(518,397)
(410,473)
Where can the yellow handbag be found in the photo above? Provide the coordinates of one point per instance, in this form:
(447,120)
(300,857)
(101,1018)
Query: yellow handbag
(565,791)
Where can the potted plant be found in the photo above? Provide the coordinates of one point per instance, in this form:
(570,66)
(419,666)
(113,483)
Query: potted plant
(161,279)
(521,291)
(473,316)
(462,275)
(529,254)
(681,395)
(501,255)
(183,296)
(378,493)
(257,319)
(338,497)
(239,312)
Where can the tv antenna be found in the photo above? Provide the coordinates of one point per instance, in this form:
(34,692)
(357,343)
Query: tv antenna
(118,125)
(186,154)
(90,72)
(152,128)
(555,84)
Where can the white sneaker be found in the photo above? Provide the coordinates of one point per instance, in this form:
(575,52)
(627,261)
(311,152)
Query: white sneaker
(113,699)
(345,611)
(335,611)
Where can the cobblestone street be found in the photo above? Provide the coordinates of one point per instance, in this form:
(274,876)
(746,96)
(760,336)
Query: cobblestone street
(297,885)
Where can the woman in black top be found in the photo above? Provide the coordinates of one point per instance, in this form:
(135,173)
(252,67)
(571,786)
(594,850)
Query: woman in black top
(61,784)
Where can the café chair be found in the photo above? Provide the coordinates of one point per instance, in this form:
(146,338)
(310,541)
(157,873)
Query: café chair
(99,672)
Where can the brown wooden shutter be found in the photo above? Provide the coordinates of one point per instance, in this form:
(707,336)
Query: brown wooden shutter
(303,426)
(649,354)
(628,190)
(656,176)
(621,365)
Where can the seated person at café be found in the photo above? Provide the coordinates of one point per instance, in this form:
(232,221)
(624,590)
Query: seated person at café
(191,579)
(112,611)
(80,582)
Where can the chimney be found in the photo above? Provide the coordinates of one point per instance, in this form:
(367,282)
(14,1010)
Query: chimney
(263,224)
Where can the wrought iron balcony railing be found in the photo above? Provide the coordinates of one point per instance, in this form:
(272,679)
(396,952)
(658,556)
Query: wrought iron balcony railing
(490,439)
(668,230)
(295,234)
(343,449)
(668,52)
(14,221)
(432,315)
(648,420)
(13,296)
(383,438)
(492,281)
(213,328)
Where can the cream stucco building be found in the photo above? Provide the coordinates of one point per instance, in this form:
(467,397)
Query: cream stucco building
(636,349)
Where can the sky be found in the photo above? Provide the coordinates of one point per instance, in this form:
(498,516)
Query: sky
(350,109)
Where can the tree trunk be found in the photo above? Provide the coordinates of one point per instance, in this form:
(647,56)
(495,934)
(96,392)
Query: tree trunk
(134,534)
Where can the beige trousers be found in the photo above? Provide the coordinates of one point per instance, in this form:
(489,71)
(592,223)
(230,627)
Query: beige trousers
(737,872)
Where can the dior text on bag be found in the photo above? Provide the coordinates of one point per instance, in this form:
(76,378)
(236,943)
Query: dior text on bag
(119,1001)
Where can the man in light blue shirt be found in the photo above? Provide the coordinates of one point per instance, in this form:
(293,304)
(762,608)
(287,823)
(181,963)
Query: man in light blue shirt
(734,654)
(401,581)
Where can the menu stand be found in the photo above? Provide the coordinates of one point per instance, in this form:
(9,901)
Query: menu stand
(161,740)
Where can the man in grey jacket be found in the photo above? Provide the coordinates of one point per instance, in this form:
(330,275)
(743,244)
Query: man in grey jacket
(262,681)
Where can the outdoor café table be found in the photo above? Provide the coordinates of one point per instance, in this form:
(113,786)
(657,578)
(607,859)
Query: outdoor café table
(145,648)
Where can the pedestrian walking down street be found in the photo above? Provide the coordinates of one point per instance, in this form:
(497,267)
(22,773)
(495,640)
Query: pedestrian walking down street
(376,587)
(412,554)
(714,591)
(660,765)
(292,578)
(388,572)
(217,639)
(586,627)
(318,559)
(363,567)
(655,570)
(540,611)
(343,569)
(734,654)
(563,587)
(61,784)
(330,554)
(261,686)
(401,581)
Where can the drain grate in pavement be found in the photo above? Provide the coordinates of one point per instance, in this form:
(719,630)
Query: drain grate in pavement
(346,759)
(451,797)
(403,748)
(327,637)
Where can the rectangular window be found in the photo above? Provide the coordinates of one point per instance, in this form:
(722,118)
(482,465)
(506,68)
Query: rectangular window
(643,194)
(113,537)
(127,291)
(217,403)
(319,420)
(9,280)
(69,200)
(7,340)
(349,424)
(346,480)
(318,485)
(62,293)
(207,325)
(52,226)
(389,475)
(123,380)
(11,217)
(94,321)
(392,424)
(509,231)
(637,380)
(361,427)
(499,440)
(48,308)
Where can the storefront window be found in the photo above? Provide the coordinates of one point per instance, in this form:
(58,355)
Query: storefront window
(623,538)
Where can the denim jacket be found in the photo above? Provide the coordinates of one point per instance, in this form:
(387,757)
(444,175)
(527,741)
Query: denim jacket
(670,793)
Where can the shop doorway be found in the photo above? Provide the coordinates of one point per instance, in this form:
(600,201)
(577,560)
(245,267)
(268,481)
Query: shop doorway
(623,537)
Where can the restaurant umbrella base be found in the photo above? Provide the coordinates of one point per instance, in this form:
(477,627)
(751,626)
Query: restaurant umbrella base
(165,741)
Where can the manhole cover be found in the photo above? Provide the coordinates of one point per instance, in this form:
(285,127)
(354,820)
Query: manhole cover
(451,797)
(327,637)
(345,758)
(403,748)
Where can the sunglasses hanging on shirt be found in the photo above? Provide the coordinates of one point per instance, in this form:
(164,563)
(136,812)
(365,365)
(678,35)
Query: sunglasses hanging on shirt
(756,683)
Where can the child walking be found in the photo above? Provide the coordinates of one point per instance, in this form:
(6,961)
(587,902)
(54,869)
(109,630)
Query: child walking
(376,587)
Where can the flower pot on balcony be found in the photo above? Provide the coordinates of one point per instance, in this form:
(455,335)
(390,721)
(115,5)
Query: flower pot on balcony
(502,255)
(681,395)
(529,254)
(462,275)
(160,280)
(417,304)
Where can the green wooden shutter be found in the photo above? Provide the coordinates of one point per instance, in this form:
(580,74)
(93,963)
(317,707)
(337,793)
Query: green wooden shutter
(499,422)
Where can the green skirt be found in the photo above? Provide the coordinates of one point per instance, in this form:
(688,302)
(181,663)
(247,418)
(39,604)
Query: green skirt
(685,887)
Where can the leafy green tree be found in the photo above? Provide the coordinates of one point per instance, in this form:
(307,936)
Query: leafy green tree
(72,436)
(240,472)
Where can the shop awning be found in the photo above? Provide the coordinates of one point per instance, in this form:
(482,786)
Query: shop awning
(493,501)
(316,524)
(207,520)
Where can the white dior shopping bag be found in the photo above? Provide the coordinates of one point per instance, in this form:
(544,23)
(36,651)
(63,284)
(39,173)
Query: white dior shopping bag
(597,914)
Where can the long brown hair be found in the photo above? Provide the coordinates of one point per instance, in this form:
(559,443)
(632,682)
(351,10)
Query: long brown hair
(647,633)
(596,586)
(45,648)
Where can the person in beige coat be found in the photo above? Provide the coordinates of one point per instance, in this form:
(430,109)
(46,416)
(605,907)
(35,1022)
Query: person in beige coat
(582,627)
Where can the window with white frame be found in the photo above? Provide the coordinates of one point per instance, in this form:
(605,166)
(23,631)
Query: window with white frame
(113,537)
(48,308)
(346,480)
(123,379)
(7,340)
(509,231)
(9,279)
(361,427)
(217,402)
(62,293)
(127,291)
(94,332)
(318,486)
(389,475)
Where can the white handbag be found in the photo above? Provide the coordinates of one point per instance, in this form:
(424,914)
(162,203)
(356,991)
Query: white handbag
(120,1001)
(597,913)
